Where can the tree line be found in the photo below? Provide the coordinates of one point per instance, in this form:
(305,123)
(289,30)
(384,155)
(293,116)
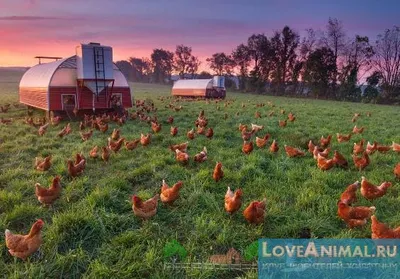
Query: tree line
(324,64)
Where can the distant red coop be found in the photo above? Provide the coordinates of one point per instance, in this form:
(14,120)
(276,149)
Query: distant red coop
(87,80)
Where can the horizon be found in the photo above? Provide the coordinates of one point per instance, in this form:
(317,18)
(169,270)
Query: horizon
(135,28)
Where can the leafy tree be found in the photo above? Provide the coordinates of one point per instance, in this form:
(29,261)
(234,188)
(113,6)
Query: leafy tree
(221,63)
(320,71)
(387,61)
(184,61)
(284,44)
(126,68)
(162,63)
(241,58)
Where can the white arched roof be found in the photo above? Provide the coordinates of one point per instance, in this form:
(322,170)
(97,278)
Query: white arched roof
(40,75)
(61,73)
(192,84)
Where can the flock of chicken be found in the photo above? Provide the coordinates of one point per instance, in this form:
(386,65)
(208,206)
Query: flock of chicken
(22,246)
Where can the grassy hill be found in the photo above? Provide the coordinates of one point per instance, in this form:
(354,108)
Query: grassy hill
(91,232)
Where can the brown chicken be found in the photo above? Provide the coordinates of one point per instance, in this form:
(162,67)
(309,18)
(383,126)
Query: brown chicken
(396,147)
(115,134)
(358,147)
(311,147)
(293,152)
(170,120)
(93,153)
(182,147)
(145,140)
(47,196)
(361,162)
(396,170)
(65,131)
(145,209)
(155,127)
(255,212)
(201,130)
(324,153)
(103,128)
(291,117)
(274,147)
(257,114)
(247,135)
(43,129)
(130,145)
(174,131)
(358,130)
(262,142)
(247,147)
(349,196)
(282,123)
(383,148)
(381,230)
(324,163)
(105,154)
(76,169)
(115,145)
(339,160)
(242,127)
(170,194)
(343,138)
(22,246)
(181,157)
(355,216)
(371,192)
(87,135)
(325,141)
(233,200)
(209,133)
(202,156)
(43,164)
(190,134)
(371,148)
(218,172)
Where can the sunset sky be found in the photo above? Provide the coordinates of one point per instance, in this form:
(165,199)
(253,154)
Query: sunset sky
(134,27)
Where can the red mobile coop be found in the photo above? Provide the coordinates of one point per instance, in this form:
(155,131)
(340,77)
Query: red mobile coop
(87,80)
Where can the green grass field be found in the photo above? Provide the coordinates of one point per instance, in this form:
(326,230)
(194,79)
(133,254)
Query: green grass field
(91,232)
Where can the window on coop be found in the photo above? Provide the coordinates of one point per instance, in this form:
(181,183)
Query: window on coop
(68,102)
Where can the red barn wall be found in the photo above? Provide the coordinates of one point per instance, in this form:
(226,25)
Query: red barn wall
(34,96)
(85,98)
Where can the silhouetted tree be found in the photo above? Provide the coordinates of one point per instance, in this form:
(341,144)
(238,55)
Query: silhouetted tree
(184,61)
(141,69)
(320,71)
(334,38)
(371,93)
(242,59)
(387,61)
(221,63)
(284,44)
(204,75)
(162,62)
